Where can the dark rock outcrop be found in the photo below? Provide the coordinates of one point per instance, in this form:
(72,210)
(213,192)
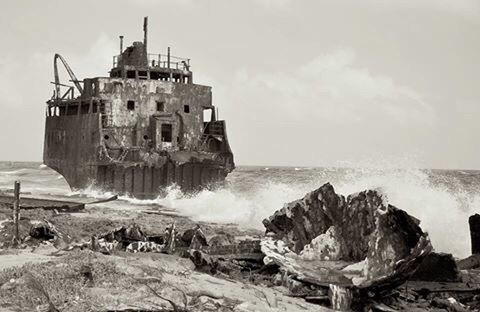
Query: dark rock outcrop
(437,267)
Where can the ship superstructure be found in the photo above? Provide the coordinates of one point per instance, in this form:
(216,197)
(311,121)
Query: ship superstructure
(141,129)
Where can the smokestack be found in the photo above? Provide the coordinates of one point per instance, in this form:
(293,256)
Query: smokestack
(121,44)
(145,32)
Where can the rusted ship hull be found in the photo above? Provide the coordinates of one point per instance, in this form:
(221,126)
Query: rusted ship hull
(147,182)
(84,161)
(145,127)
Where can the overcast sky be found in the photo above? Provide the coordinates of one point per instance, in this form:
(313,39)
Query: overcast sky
(301,83)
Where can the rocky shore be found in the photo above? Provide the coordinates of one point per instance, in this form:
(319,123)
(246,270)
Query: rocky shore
(323,252)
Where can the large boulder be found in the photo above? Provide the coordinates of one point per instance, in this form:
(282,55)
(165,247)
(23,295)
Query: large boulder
(323,233)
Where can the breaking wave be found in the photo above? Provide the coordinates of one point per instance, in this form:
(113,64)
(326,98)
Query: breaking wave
(443,205)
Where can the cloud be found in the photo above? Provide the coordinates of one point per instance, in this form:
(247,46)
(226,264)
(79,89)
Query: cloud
(331,88)
(325,111)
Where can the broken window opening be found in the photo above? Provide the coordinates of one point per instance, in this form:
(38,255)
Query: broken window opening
(160,106)
(154,75)
(186,108)
(131,105)
(131,74)
(166,133)
(207,115)
(72,110)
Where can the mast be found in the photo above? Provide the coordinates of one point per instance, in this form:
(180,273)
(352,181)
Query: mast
(145,32)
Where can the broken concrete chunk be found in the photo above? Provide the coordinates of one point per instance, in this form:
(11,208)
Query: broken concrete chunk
(437,267)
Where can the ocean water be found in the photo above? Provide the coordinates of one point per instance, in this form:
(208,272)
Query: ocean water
(442,199)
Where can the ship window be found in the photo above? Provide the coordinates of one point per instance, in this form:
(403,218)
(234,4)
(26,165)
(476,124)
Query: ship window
(145,137)
(142,75)
(131,105)
(131,74)
(160,106)
(106,137)
(186,108)
(84,108)
(166,133)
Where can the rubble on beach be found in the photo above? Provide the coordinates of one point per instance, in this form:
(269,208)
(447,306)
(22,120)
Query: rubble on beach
(322,252)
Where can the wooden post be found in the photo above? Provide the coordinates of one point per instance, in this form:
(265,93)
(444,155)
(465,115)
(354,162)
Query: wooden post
(16,213)
(341,298)
(474,222)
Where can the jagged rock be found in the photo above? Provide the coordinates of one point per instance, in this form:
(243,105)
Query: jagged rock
(43,231)
(395,236)
(298,222)
(317,237)
(437,267)
(194,238)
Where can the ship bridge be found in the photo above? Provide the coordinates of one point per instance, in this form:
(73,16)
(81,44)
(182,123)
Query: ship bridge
(136,63)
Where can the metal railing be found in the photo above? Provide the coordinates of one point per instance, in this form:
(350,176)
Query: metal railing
(162,61)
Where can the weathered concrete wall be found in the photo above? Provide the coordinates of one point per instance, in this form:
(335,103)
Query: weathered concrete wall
(132,126)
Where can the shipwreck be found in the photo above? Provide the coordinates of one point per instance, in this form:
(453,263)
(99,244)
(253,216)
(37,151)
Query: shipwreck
(143,128)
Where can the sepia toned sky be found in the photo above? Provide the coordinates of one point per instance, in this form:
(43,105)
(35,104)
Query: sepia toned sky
(300,83)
